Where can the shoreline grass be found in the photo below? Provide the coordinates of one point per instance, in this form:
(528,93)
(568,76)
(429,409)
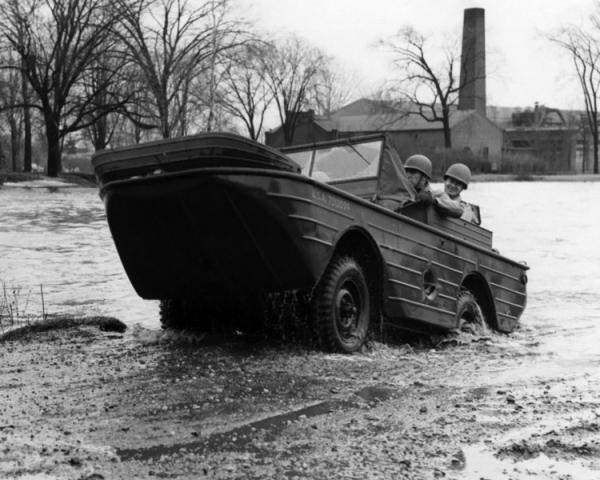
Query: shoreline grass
(62,322)
(20,318)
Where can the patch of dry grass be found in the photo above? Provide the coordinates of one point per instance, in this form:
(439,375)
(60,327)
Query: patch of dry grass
(16,306)
(23,314)
(62,322)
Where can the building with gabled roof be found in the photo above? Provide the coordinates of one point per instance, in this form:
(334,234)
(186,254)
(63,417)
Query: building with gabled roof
(409,132)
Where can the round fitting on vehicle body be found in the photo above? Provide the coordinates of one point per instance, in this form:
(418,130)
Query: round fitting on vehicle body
(430,285)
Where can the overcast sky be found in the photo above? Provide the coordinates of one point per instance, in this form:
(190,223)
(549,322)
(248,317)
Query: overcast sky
(522,65)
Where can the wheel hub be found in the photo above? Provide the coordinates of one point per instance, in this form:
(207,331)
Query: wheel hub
(347,309)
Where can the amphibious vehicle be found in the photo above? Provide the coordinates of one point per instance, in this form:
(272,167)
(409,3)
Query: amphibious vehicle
(217,219)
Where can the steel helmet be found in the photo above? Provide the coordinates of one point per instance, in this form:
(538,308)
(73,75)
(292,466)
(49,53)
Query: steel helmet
(460,172)
(420,163)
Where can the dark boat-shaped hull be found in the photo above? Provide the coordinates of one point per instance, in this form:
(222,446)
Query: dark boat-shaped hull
(216,230)
(184,226)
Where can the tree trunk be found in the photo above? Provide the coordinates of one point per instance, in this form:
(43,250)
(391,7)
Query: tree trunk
(163,112)
(446,124)
(14,142)
(53,138)
(209,121)
(26,126)
(595,140)
(101,132)
(137,133)
(27,157)
(289,127)
(447,135)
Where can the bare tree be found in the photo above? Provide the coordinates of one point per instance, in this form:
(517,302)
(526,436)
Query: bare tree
(10,95)
(243,91)
(291,70)
(584,49)
(15,98)
(333,88)
(113,86)
(431,88)
(27,137)
(174,46)
(58,42)
(102,130)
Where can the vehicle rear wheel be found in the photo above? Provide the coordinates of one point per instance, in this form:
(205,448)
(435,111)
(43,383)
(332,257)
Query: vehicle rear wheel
(342,306)
(180,314)
(171,314)
(470,315)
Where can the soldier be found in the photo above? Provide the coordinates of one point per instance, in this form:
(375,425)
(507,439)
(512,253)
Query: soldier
(448,202)
(418,171)
(400,188)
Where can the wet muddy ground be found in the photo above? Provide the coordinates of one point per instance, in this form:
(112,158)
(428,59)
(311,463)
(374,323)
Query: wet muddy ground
(82,403)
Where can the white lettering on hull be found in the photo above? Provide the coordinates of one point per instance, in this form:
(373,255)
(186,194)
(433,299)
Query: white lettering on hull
(330,200)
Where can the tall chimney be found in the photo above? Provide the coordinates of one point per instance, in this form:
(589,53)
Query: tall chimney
(472,64)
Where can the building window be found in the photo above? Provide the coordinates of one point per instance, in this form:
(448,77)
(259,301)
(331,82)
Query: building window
(521,144)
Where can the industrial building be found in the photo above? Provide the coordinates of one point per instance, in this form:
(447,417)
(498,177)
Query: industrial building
(540,138)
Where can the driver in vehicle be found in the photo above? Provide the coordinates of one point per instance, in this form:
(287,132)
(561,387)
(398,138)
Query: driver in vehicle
(418,170)
(405,185)
(448,202)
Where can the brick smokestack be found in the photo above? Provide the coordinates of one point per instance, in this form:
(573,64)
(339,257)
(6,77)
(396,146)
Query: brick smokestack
(472,64)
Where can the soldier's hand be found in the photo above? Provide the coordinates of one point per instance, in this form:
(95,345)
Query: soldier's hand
(424,197)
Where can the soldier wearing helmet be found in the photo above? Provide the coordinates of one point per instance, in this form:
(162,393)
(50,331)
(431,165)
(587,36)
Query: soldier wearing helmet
(448,202)
(418,170)
(404,185)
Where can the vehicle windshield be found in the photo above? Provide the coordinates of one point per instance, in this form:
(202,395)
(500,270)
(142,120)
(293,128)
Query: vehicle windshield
(348,161)
(303,159)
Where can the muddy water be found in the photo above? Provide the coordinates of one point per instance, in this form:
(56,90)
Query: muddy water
(555,228)
(59,239)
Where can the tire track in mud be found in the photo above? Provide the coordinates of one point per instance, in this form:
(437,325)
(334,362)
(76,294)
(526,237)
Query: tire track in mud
(240,438)
(180,410)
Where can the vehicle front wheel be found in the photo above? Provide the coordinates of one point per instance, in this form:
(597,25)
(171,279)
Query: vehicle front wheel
(469,314)
(342,306)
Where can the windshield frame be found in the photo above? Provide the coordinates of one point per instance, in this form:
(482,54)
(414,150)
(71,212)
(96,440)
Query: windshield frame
(351,142)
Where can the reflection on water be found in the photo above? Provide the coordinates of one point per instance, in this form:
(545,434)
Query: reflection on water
(61,240)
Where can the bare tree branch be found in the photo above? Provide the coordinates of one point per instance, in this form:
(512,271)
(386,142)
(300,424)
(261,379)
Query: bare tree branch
(291,70)
(332,89)
(584,50)
(177,47)
(58,41)
(244,92)
(431,89)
